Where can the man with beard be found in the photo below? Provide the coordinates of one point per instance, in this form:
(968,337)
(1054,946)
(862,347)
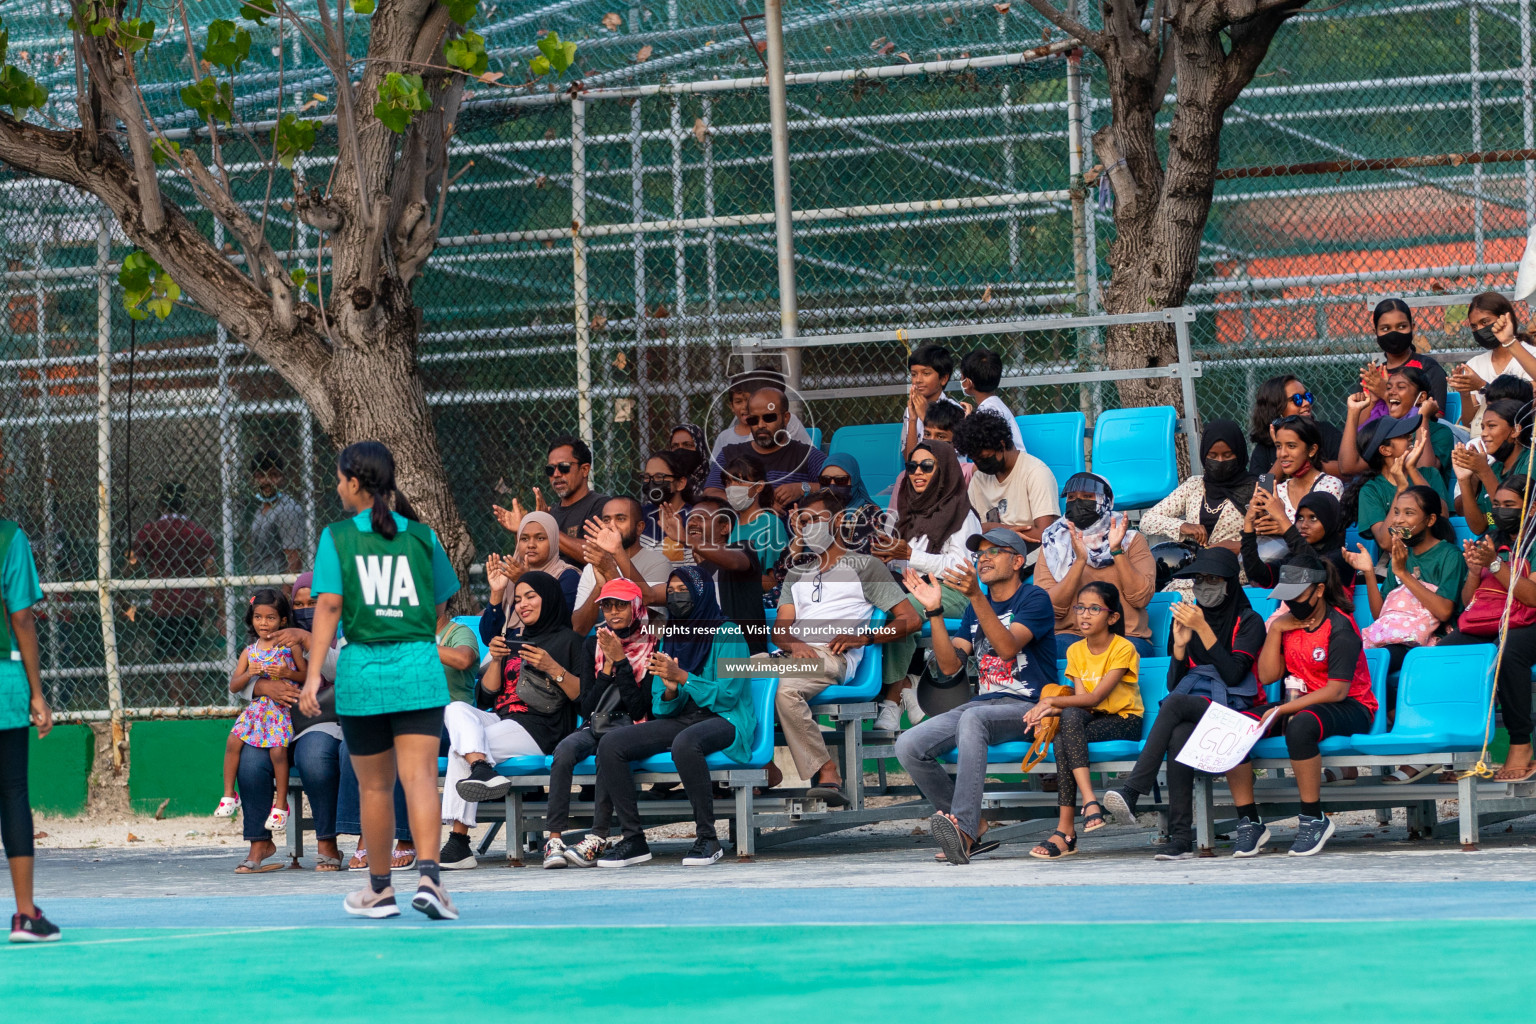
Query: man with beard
(612,550)
(793,466)
(569,469)
(277,529)
(1009,487)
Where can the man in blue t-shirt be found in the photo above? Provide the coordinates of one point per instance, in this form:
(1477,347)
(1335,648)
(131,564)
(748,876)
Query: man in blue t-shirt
(1010,630)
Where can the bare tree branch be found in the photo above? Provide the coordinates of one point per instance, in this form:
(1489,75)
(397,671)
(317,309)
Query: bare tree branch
(1098,42)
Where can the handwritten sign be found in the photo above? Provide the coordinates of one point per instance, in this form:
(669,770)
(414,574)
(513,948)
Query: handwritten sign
(1222,738)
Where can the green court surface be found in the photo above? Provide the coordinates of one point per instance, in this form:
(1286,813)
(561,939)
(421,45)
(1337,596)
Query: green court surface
(798,974)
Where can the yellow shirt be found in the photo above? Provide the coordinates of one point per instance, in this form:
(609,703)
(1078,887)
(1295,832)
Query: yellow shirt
(1087,668)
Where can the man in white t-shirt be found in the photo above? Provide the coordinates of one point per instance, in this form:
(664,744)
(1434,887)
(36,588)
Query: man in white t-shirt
(981,372)
(1009,486)
(613,548)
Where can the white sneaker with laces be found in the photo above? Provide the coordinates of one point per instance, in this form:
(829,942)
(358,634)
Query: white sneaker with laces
(889,717)
(909,704)
(554,853)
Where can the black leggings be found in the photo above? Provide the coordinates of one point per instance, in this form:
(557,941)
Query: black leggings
(689,740)
(557,816)
(1514,677)
(1311,725)
(1176,718)
(15,804)
(1080,727)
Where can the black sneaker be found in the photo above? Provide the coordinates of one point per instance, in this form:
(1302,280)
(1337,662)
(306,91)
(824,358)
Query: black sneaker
(1121,805)
(704,853)
(1312,834)
(483,784)
(456,854)
(33,929)
(631,850)
(1177,849)
(1249,838)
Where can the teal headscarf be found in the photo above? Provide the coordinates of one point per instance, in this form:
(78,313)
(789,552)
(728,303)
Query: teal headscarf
(850,465)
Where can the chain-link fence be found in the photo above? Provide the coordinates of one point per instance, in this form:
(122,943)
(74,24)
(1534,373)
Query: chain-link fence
(937,153)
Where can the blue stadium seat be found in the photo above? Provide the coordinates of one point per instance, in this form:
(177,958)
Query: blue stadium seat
(1442,702)
(877,446)
(1133,450)
(1262,603)
(815,434)
(1463,531)
(1056,439)
(1160,618)
(1363,614)
(763,691)
(1453,406)
(473,622)
(866,683)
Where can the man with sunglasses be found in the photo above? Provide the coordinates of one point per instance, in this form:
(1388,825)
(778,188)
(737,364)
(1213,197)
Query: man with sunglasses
(1010,631)
(568,467)
(740,390)
(792,466)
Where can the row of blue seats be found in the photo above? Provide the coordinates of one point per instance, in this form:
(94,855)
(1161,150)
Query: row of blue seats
(1132,448)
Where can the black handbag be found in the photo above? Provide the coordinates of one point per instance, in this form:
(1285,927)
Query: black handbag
(539,691)
(609,713)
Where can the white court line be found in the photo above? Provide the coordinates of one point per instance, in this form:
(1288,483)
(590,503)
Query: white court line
(65,943)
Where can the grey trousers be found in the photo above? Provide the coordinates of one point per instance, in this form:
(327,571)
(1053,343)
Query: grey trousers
(969,728)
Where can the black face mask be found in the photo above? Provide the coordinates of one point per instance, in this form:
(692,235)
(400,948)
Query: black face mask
(1302,609)
(304,618)
(844,492)
(1506,520)
(629,630)
(1504,450)
(679,606)
(992,465)
(1486,337)
(1221,470)
(656,493)
(1082,514)
(1395,343)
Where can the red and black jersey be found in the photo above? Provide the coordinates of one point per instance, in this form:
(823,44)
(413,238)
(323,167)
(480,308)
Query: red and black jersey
(1333,650)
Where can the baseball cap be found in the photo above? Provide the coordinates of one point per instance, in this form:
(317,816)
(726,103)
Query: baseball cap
(1296,580)
(1002,538)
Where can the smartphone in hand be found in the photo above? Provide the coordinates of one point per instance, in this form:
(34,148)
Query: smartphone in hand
(1267,482)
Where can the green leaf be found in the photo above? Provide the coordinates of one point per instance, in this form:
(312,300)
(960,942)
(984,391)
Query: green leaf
(164,151)
(467,53)
(258,10)
(539,65)
(363,6)
(462,11)
(147,288)
(20,91)
(291,136)
(400,97)
(300,278)
(133,35)
(228,44)
(209,99)
(560,55)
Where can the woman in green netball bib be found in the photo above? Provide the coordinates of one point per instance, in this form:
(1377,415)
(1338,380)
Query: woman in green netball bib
(385,577)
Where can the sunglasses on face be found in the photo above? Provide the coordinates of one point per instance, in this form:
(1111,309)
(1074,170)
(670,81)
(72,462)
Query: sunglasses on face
(926,466)
(767,417)
(834,481)
(1305,398)
(1089,609)
(559,467)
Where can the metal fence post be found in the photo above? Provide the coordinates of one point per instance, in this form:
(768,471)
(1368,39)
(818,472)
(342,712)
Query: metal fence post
(104,490)
(1187,386)
(783,224)
(579,266)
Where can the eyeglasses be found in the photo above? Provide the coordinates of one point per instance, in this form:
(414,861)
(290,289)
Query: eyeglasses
(1211,581)
(834,481)
(995,552)
(767,417)
(926,466)
(559,467)
(1089,609)
(1305,398)
(659,478)
(816,589)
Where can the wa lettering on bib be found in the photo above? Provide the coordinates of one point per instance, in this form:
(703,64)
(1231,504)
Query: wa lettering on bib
(386,584)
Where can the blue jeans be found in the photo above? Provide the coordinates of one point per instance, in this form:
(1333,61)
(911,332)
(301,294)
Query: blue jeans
(1066,640)
(317,759)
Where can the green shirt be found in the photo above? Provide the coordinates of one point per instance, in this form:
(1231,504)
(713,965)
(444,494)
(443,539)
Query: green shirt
(20,590)
(1442,442)
(768,538)
(1375,499)
(729,697)
(1441,566)
(1485,500)
(461,682)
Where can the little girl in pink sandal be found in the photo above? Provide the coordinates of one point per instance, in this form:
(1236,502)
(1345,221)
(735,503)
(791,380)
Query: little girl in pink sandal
(264,723)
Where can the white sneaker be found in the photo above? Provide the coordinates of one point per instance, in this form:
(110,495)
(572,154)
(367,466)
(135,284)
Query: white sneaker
(554,853)
(889,717)
(909,704)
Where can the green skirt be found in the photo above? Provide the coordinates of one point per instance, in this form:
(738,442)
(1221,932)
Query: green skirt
(380,679)
(15,696)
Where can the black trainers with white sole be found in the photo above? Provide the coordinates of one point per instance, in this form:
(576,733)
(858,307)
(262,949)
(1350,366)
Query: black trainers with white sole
(33,929)
(1248,838)
(631,850)
(1121,805)
(483,784)
(1312,834)
(456,854)
(1176,849)
(703,853)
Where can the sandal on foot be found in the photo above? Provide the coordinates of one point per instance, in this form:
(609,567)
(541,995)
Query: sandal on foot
(977,849)
(833,795)
(258,867)
(1095,821)
(277,821)
(1335,777)
(1055,851)
(325,864)
(227,807)
(402,859)
(1522,776)
(1411,773)
(950,839)
(359,861)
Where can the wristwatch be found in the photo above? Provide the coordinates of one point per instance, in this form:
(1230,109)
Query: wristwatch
(1496,565)
(936,613)
(1116,552)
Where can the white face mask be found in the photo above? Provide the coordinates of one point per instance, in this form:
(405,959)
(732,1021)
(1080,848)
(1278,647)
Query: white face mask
(816,536)
(739,496)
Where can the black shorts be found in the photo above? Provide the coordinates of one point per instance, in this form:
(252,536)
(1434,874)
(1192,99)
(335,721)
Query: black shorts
(367,735)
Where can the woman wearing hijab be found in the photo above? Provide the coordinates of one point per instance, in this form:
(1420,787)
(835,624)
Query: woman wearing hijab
(696,712)
(1208,509)
(861,517)
(931,532)
(1319,526)
(1216,638)
(532,681)
(689,437)
(618,685)
(538,550)
(1091,541)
